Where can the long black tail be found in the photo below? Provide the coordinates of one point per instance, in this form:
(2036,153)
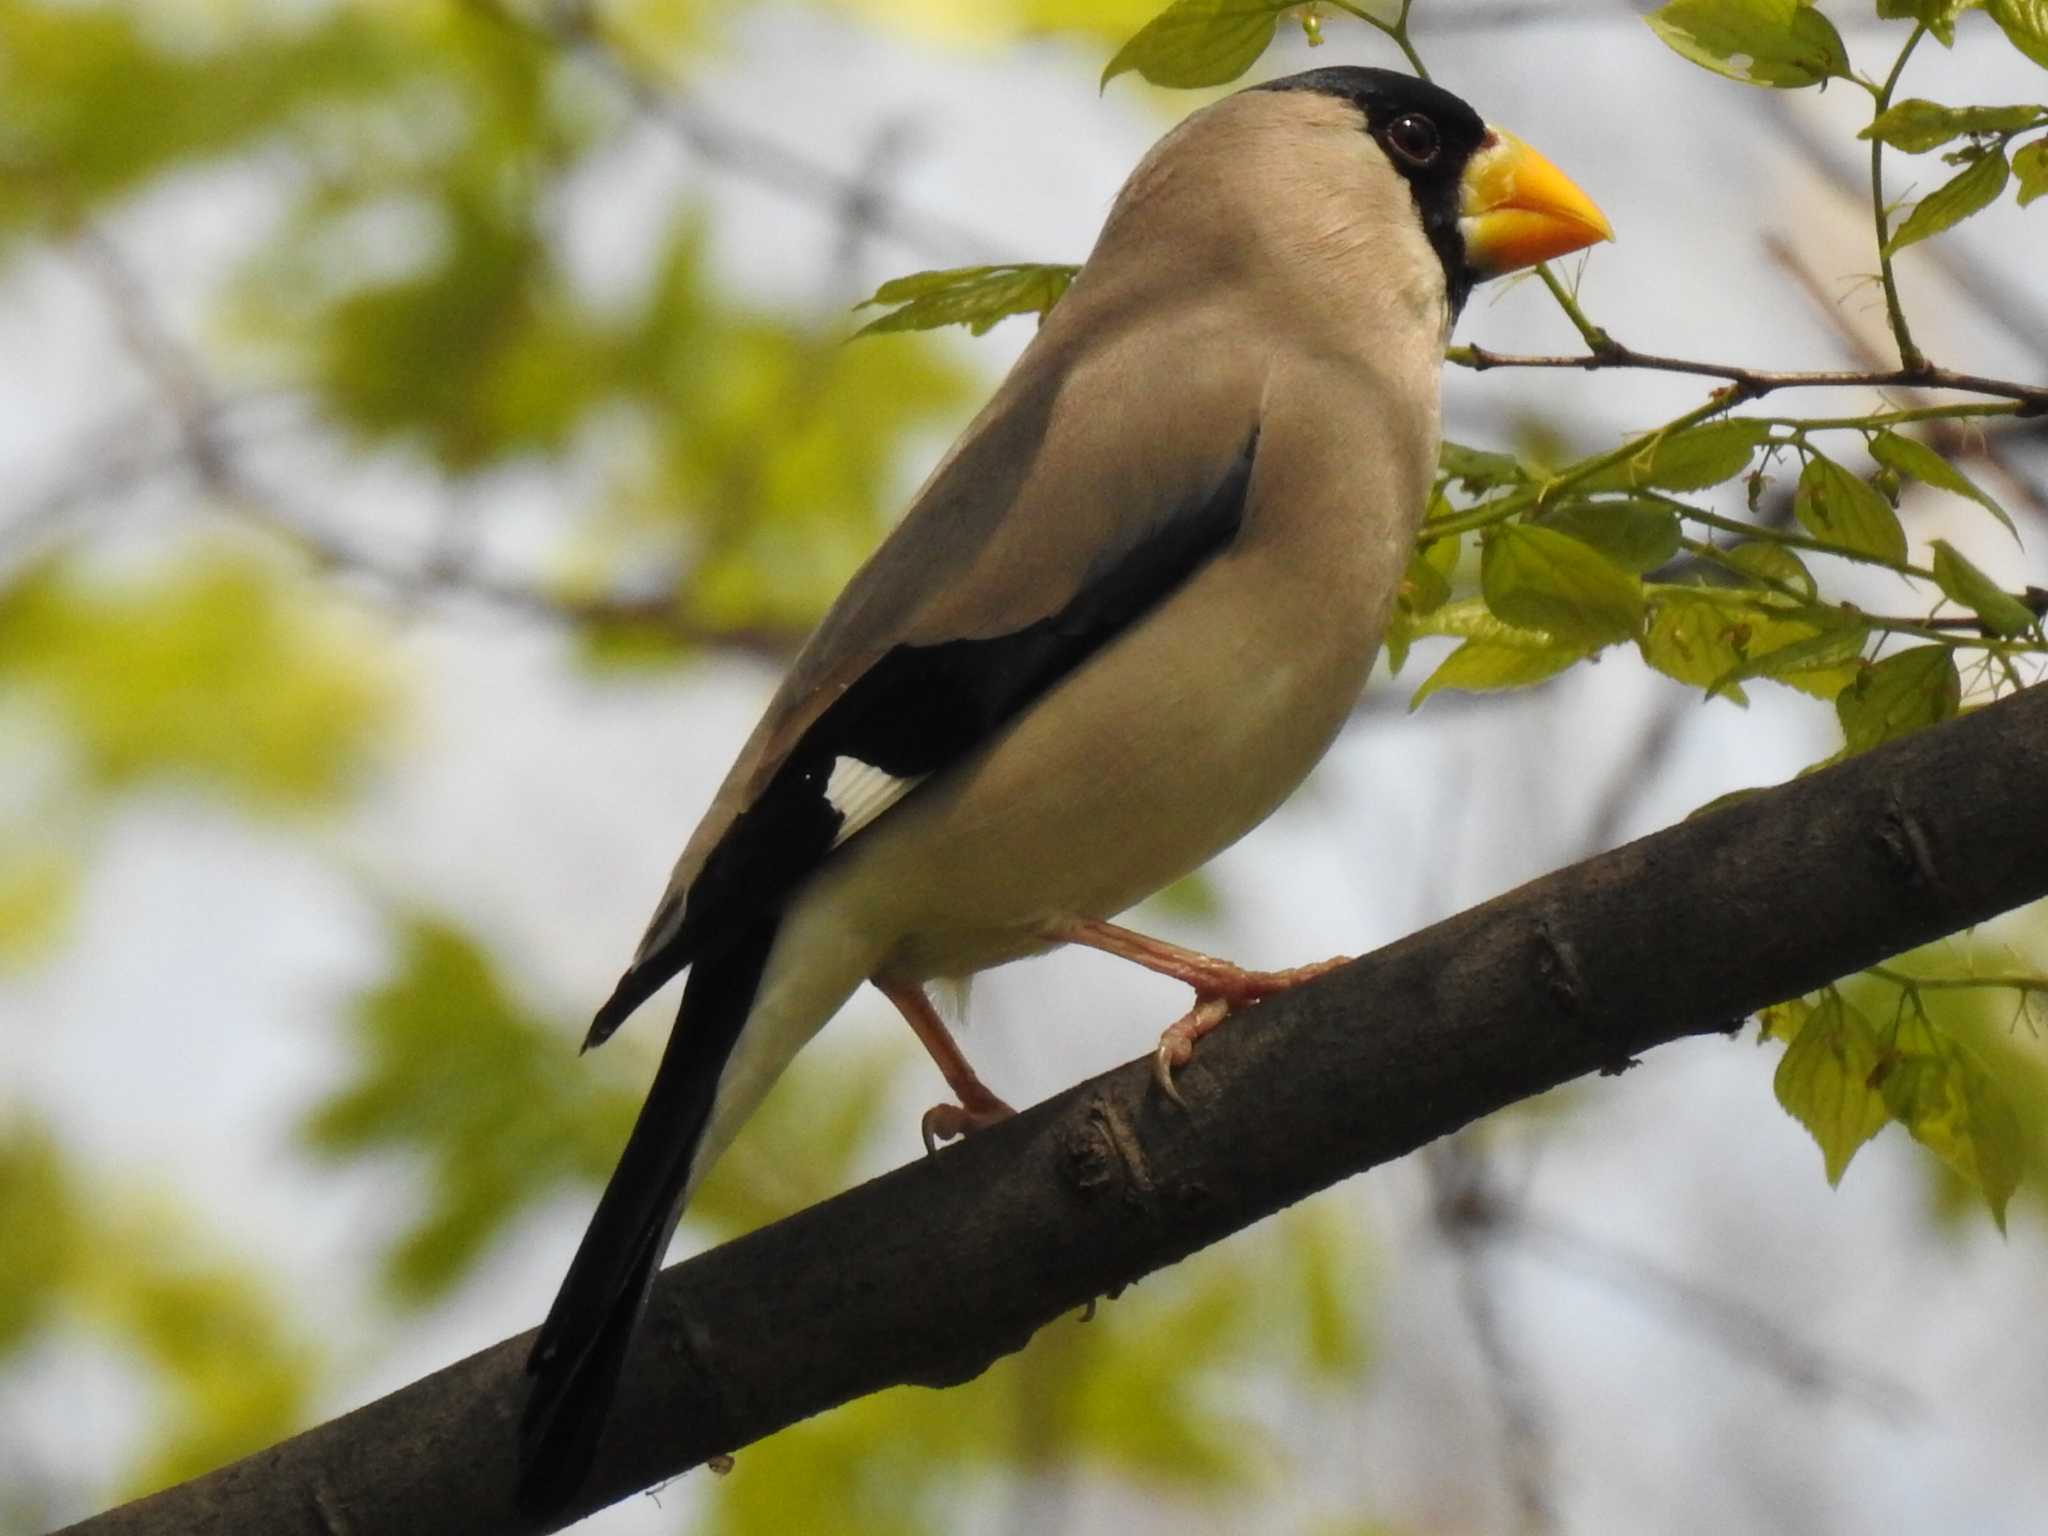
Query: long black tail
(581,1348)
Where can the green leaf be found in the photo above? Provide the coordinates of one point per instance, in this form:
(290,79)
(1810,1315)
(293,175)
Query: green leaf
(976,297)
(1716,639)
(1760,42)
(1773,563)
(1917,125)
(1638,536)
(1494,655)
(1479,470)
(1822,662)
(1935,1087)
(1838,508)
(1690,460)
(1781,1021)
(2026,26)
(1536,578)
(1940,15)
(1973,188)
(1697,637)
(1899,695)
(1426,586)
(2030,165)
(1961,582)
(1824,1081)
(1909,456)
(1488,666)
(1199,42)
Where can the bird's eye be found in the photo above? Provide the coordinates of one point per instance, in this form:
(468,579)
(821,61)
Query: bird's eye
(1414,138)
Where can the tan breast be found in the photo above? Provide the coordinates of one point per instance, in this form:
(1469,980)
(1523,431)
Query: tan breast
(1184,733)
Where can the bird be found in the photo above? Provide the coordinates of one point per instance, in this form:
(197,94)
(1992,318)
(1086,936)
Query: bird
(1123,618)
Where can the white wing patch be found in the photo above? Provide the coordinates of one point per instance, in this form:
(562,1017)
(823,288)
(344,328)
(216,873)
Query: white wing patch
(860,792)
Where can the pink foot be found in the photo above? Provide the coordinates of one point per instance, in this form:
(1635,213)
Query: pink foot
(1221,993)
(944,1122)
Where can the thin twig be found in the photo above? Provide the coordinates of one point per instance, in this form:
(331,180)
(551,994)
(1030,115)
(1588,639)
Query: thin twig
(1735,1325)
(1754,383)
(1397,29)
(2018,982)
(170,369)
(1596,339)
(1469,1210)
(739,150)
(1909,351)
(1945,438)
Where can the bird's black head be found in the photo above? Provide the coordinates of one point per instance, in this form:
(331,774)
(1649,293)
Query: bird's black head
(1427,134)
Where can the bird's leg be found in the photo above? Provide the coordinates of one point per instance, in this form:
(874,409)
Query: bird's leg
(1221,988)
(978,1108)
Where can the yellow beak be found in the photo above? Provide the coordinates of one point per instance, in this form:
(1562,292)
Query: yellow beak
(1517,209)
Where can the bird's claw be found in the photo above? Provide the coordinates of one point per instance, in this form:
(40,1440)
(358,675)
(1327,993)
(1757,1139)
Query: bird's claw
(1235,989)
(1177,1045)
(945,1122)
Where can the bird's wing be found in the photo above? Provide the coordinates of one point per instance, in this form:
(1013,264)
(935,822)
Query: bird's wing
(1113,463)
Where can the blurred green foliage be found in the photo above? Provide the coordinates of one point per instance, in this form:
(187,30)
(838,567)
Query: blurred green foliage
(37,888)
(453,1072)
(215,668)
(229,1374)
(1151,1389)
(98,100)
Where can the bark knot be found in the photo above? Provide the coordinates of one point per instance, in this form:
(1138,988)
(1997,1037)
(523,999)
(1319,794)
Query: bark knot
(1557,963)
(1905,841)
(1104,1143)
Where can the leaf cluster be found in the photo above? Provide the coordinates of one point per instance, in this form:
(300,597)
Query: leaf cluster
(1610,550)
(1846,1077)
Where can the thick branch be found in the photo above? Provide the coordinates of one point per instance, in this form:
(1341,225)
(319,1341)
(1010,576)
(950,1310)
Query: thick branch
(931,1272)
(1754,383)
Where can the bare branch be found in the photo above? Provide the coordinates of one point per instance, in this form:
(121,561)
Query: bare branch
(1754,383)
(928,1274)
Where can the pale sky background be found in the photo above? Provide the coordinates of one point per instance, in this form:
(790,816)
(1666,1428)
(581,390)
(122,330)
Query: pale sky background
(193,1015)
